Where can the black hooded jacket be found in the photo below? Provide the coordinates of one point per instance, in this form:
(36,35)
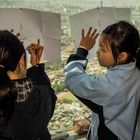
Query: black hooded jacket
(31,117)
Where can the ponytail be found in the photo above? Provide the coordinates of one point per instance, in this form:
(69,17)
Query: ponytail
(8,96)
(11,50)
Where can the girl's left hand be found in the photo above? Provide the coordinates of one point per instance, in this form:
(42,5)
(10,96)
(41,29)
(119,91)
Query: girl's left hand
(17,34)
(88,41)
(36,52)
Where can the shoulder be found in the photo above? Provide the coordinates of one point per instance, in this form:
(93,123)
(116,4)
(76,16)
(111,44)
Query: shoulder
(39,93)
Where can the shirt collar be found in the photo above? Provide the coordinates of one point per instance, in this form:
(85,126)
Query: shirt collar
(126,67)
(23,89)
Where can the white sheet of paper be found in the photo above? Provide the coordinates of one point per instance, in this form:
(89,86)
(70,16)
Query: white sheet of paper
(32,25)
(98,18)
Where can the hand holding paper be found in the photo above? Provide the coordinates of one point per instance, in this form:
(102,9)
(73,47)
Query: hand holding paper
(36,52)
(87,42)
(17,34)
(33,24)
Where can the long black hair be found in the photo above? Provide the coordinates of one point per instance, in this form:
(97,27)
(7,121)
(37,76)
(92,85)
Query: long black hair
(124,37)
(11,50)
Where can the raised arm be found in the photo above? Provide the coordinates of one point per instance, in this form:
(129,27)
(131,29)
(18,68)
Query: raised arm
(37,72)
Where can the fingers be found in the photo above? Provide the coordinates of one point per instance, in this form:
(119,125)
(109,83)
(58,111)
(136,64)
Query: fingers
(30,49)
(18,34)
(93,33)
(36,52)
(83,33)
(35,49)
(90,34)
(34,46)
(95,37)
(89,31)
(40,51)
(88,41)
(11,30)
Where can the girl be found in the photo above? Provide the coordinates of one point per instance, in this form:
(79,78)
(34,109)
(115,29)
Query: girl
(26,102)
(114,95)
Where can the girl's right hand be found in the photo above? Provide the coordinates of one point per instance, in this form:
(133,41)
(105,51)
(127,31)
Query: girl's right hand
(36,52)
(88,41)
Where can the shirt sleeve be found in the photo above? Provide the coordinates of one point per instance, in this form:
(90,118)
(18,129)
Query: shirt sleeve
(92,88)
(38,75)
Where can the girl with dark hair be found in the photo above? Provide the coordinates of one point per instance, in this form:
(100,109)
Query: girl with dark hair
(27,100)
(114,95)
